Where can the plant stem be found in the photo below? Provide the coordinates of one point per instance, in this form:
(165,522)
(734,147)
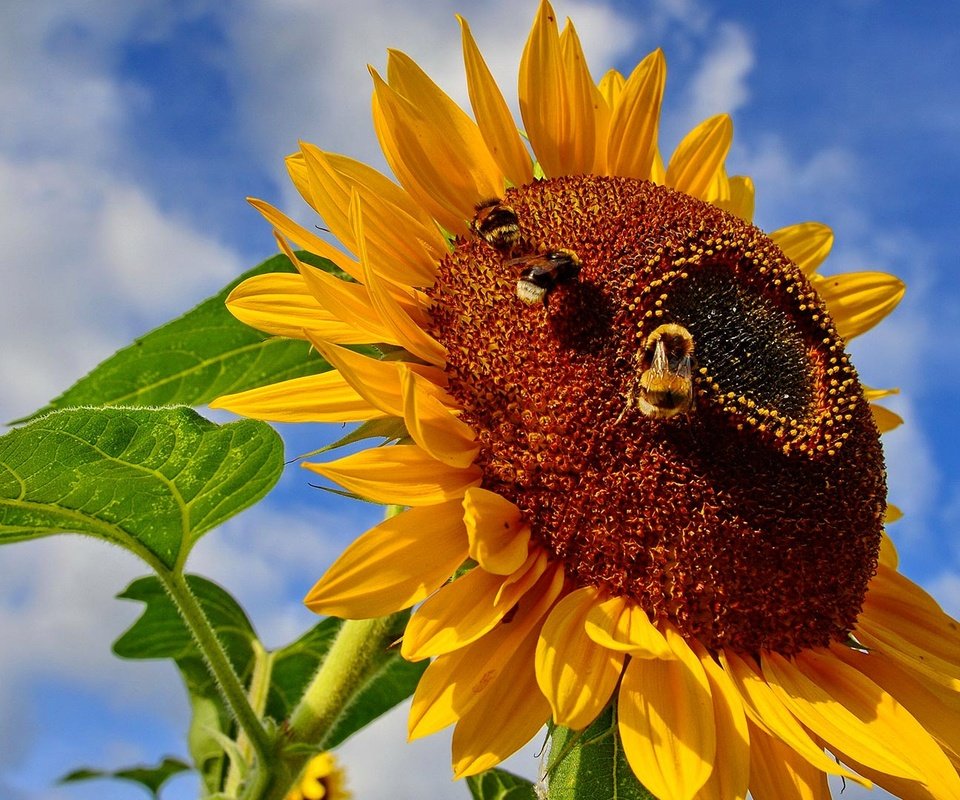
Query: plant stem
(355,656)
(257,693)
(219,665)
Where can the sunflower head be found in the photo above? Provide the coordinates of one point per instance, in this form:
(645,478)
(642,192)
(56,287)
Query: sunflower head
(322,779)
(637,464)
(680,423)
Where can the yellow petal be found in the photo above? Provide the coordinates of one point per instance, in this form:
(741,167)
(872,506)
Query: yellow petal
(427,169)
(463,611)
(544,106)
(458,614)
(288,229)
(402,475)
(394,565)
(433,148)
(907,624)
(870,394)
(326,397)
(357,174)
(851,713)
(897,787)
(453,683)
(519,583)
(432,425)
(621,625)
(492,114)
(731,770)
(451,126)
(935,708)
(766,711)
(885,419)
(699,157)
(777,771)
(377,380)
(297,170)
(611,87)
(740,200)
(576,675)
(392,235)
(888,553)
(433,707)
(632,141)
(400,319)
(329,197)
(658,173)
(584,102)
(504,719)
(893,515)
(499,538)
(667,722)
(806,244)
(280,303)
(859,300)
(344,299)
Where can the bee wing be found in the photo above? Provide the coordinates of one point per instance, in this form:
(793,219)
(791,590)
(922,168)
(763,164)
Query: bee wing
(685,368)
(660,365)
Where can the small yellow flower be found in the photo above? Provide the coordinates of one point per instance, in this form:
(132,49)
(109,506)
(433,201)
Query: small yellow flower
(322,779)
(635,414)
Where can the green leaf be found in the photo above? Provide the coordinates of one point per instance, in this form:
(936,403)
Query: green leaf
(200,356)
(591,765)
(150,480)
(161,633)
(151,778)
(498,784)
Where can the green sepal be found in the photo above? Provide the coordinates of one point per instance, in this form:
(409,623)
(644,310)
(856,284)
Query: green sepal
(591,764)
(390,429)
(197,357)
(151,778)
(150,480)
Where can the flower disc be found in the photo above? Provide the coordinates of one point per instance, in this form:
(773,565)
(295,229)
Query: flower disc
(753,518)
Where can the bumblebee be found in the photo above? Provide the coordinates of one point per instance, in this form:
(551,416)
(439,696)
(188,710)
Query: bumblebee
(663,387)
(497,225)
(541,273)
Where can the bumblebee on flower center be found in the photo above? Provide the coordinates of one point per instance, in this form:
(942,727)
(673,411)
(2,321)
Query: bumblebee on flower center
(680,425)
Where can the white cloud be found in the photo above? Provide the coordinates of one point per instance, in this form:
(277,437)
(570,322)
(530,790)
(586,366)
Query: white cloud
(720,82)
(793,189)
(945,587)
(308,79)
(59,617)
(89,261)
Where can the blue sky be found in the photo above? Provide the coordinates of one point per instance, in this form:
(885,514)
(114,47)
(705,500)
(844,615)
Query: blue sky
(130,135)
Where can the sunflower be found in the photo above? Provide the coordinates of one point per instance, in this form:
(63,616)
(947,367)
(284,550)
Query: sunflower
(637,464)
(322,779)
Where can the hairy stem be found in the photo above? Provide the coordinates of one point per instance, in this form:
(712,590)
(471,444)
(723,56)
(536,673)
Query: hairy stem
(219,665)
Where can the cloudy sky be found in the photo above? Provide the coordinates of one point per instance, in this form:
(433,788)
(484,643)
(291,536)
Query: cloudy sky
(130,134)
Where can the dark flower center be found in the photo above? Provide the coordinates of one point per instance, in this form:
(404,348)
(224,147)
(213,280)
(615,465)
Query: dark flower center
(747,511)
